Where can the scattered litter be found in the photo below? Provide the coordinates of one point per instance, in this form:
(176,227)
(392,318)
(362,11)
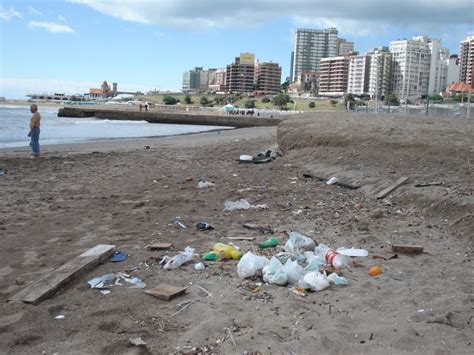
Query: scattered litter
(137,341)
(105,292)
(135,281)
(209,295)
(391,188)
(241,238)
(332,181)
(211,256)
(199,266)
(180,224)
(230,336)
(353,252)
(190,178)
(298,243)
(273,273)
(101,281)
(205,184)
(181,258)
(315,281)
(269,243)
(375,271)
(166,292)
(204,226)
(433,183)
(118,257)
(241,204)
(386,256)
(160,246)
(409,249)
(256,227)
(184,306)
(331,256)
(299,291)
(263,157)
(335,279)
(294,271)
(250,264)
(226,251)
(2,172)
(261,207)
(59,317)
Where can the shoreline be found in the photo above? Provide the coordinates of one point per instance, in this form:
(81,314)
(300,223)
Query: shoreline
(125,144)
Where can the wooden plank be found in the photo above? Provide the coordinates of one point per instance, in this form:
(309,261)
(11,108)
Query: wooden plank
(166,292)
(241,238)
(160,246)
(410,249)
(51,282)
(392,187)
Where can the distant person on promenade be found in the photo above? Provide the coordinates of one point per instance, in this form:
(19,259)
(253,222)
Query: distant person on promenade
(35,131)
(141,106)
(146,107)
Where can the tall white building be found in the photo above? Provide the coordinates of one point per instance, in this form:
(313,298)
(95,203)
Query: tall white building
(380,71)
(359,70)
(344,47)
(438,68)
(411,61)
(466,60)
(310,47)
(453,69)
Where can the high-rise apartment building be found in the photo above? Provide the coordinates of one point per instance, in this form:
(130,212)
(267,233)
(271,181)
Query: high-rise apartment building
(310,47)
(466,60)
(333,76)
(359,71)
(380,70)
(191,79)
(410,67)
(453,69)
(268,78)
(217,79)
(240,75)
(344,47)
(438,68)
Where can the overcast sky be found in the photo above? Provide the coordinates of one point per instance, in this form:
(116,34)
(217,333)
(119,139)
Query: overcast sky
(70,45)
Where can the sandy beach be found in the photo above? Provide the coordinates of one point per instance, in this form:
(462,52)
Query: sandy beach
(128,192)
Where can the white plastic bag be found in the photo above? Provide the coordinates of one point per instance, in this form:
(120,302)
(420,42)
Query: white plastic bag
(179,259)
(273,273)
(332,181)
(241,204)
(314,264)
(250,264)
(352,252)
(246,157)
(335,279)
(316,281)
(299,243)
(205,184)
(294,271)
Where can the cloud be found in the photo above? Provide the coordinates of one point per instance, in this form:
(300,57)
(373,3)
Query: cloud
(33,11)
(365,15)
(51,27)
(8,14)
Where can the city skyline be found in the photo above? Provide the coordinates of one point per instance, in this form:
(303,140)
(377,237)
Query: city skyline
(74,45)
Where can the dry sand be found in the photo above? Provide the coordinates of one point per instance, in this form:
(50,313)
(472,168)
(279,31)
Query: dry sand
(117,192)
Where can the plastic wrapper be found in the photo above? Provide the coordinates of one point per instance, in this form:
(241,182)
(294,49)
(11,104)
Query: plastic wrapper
(273,273)
(250,264)
(181,258)
(299,243)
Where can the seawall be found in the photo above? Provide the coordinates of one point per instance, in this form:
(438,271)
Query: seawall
(170,117)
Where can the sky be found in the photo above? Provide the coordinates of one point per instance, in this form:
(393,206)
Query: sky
(72,45)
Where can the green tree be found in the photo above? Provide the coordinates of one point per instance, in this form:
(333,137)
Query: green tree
(205,102)
(436,98)
(281,101)
(284,86)
(219,100)
(392,99)
(349,101)
(188,100)
(250,104)
(312,104)
(170,100)
(266,99)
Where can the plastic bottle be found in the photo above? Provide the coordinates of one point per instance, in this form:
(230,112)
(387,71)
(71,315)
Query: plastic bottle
(269,243)
(228,251)
(211,256)
(331,256)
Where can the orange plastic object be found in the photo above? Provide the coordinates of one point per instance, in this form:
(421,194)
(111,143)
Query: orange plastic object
(375,270)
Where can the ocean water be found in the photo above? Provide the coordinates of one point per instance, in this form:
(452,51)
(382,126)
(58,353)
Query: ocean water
(15,120)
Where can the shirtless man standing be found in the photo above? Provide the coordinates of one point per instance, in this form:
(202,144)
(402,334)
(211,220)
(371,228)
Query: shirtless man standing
(35,131)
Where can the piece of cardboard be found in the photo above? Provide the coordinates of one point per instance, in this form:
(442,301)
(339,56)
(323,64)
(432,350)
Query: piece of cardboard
(166,292)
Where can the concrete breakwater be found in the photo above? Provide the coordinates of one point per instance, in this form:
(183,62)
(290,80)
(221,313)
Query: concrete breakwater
(170,117)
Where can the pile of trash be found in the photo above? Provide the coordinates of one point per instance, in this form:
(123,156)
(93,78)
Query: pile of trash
(285,268)
(263,157)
